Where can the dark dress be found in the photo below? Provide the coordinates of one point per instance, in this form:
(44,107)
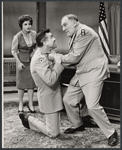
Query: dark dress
(24,79)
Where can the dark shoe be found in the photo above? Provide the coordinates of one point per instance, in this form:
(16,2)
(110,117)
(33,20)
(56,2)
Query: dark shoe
(89,122)
(113,139)
(32,111)
(24,119)
(73,130)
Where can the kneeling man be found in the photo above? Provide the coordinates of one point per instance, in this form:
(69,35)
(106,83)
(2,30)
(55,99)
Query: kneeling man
(46,74)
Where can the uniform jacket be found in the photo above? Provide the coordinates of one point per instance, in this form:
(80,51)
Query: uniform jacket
(46,76)
(87,55)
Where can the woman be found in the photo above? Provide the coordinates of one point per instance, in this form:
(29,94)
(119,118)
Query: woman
(23,47)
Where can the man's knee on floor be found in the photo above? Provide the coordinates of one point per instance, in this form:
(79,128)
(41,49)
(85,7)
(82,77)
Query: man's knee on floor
(53,135)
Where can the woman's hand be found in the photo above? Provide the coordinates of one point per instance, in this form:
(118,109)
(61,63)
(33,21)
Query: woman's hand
(20,66)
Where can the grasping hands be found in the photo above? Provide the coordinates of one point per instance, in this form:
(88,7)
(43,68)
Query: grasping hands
(56,57)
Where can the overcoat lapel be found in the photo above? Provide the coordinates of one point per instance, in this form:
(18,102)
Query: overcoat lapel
(71,40)
(73,37)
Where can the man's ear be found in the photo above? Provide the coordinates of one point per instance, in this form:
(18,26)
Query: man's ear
(75,23)
(45,42)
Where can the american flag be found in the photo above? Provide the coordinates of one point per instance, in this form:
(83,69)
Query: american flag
(102,29)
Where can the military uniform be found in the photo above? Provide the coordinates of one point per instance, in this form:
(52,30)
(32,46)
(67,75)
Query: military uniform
(45,74)
(91,70)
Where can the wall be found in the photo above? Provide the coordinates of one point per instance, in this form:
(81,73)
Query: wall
(87,11)
(11,12)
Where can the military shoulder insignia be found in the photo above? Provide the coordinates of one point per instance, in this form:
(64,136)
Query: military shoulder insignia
(42,59)
(83,32)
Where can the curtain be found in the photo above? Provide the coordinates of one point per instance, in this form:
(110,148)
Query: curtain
(114,27)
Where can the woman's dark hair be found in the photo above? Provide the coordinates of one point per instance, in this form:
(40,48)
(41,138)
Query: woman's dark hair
(24,18)
(41,37)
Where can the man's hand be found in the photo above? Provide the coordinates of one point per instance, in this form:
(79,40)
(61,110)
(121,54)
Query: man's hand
(55,57)
(51,56)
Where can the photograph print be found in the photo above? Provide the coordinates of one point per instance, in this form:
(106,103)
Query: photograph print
(61,74)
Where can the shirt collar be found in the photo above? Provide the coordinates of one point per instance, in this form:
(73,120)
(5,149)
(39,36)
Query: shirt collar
(43,51)
(74,35)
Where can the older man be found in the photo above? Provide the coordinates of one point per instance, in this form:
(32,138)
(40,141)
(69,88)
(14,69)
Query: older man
(87,55)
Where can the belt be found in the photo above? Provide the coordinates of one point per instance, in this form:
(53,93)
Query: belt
(25,51)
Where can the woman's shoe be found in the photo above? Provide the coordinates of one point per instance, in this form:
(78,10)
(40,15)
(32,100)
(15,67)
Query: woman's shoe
(32,111)
(20,111)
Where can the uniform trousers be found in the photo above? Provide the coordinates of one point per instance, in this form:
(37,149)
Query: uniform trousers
(50,127)
(92,92)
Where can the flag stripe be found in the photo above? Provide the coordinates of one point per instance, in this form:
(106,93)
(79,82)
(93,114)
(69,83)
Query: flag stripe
(104,34)
(103,23)
(102,29)
(104,49)
(103,41)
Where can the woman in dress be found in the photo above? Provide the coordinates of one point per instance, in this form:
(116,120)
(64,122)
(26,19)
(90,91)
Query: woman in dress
(23,47)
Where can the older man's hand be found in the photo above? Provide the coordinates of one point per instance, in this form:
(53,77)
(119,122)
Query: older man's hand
(55,57)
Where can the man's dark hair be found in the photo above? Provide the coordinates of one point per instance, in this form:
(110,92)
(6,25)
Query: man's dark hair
(41,37)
